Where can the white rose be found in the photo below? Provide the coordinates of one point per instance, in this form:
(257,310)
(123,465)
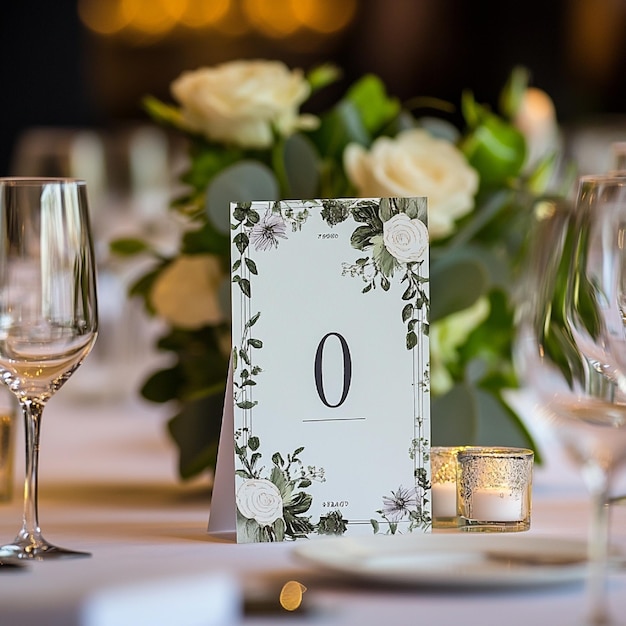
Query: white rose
(241,102)
(415,163)
(260,500)
(185,293)
(406,239)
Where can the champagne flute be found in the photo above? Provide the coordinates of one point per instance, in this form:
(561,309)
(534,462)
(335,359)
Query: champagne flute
(48,315)
(571,345)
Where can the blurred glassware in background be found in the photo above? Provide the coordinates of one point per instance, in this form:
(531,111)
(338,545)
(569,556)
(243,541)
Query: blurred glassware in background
(591,145)
(8,417)
(128,172)
(618,151)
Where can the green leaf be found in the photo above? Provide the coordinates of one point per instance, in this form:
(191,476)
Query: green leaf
(205,240)
(251,265)
(244,284)
(196,430)
(128,246)
(456,282)
(454,417)
(244,181)
(247,404)
(339,127)
(253,443)
(253,320)
(322,76)
(163,113)
(301,166)
(241,241)
(513,91)
(495,148)
(143,286)
(407,312)
(163,385)
(375,107)
(207,161)
(411,340)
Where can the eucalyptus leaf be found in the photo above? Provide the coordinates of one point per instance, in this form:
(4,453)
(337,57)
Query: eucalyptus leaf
(196,429)
(245,181)
(454,417)
(301,167)
(456,282)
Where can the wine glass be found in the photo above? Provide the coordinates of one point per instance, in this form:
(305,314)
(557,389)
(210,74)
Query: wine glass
(571,344)
(48,315)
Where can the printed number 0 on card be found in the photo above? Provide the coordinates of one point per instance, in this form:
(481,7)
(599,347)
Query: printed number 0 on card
(347,370)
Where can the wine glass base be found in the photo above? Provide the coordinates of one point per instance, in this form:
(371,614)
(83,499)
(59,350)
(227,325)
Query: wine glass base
(41,551)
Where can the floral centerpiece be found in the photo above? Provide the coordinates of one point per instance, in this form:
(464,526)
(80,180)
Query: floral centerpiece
(250,140)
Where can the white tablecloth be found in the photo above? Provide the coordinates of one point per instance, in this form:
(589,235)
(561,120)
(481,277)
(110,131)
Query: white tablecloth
(109,486)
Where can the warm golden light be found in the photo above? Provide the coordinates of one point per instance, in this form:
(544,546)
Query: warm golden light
(104,18)
(291,595)
(199,14)
(324,16)
(149,20)
(274,18)
(149,16)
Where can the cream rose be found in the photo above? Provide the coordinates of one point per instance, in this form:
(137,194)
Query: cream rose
(260,500)
(242,102)
(415,163)
(406,239)
(185,293)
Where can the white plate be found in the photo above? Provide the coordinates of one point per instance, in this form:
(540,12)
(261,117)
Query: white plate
(450,559)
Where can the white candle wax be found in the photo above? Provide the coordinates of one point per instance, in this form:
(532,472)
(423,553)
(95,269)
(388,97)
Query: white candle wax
(444,499)
(496,505)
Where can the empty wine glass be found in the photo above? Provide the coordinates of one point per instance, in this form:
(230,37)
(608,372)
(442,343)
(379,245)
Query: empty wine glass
(571,344)
(48,315)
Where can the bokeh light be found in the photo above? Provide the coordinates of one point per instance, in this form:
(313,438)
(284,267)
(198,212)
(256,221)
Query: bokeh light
(147,21)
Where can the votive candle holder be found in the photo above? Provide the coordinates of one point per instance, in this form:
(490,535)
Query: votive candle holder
(443,460)
(494,487)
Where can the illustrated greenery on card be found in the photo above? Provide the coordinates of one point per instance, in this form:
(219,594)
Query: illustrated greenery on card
(390,243)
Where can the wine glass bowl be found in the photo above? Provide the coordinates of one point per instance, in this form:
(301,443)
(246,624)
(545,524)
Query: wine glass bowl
(570,347)
(48,314)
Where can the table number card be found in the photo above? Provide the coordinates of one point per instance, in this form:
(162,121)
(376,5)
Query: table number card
(326,425)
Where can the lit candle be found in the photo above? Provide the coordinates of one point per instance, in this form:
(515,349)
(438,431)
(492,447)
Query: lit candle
(496,504)
(444,499)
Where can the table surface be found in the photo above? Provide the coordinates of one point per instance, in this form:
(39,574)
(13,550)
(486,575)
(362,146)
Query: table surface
(109,486)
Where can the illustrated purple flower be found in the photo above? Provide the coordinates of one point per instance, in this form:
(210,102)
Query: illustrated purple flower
(266,232)
(399,504)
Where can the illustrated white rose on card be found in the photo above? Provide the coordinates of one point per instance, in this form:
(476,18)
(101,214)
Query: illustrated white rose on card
(406,239)
(260,500)
(243,102)
(412,164)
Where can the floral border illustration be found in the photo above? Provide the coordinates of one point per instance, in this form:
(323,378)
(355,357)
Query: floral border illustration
(392,232)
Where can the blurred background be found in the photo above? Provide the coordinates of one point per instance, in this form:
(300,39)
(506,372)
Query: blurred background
(74,73)
(88,63)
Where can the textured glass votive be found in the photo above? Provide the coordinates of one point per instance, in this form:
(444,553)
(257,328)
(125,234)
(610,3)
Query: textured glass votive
(443,485)
(494,488)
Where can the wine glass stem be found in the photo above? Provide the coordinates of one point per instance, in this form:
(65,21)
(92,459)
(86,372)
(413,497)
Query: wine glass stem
(32,411)
(598,554)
